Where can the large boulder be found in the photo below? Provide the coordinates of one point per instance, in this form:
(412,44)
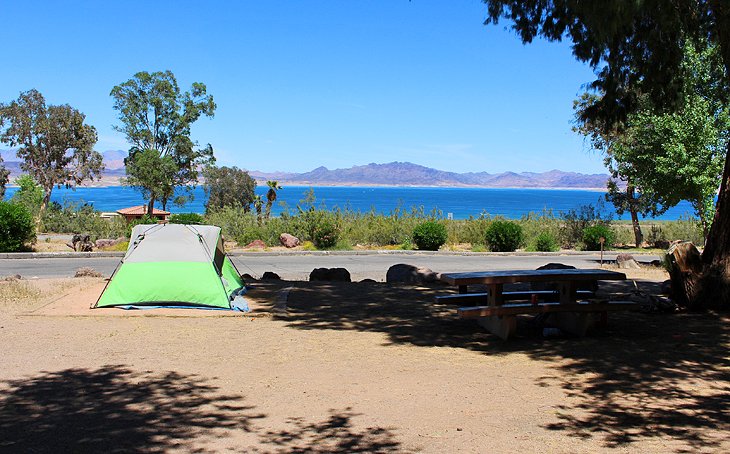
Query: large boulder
(590,286)
(627,262)
(269,275)
(255,244)
(410,274)
(330,274)
(288,240)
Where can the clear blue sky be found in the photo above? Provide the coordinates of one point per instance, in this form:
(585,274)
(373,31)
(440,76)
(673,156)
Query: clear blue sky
(300,84)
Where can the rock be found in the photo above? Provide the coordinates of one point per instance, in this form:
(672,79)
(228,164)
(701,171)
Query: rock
(661,244)
(256,244)
(590,286)
(268,275)
(330,274)
(87,272)
(11,278)
(105,242)
(288,240)
(409,274)
(657,263)
(666,288)
(627,262)
(247,277)
(368,281)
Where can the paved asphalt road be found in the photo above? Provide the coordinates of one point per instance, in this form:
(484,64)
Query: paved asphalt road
(298,266)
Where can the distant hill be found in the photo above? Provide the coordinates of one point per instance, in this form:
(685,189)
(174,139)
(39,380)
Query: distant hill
(390,174)
(409,174)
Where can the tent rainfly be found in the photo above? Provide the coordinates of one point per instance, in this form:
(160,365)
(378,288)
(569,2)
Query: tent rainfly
(174,265)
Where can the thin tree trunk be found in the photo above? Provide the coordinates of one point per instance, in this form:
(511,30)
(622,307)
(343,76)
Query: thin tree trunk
(44,204)
(151,205)
(631,196)
(638,235)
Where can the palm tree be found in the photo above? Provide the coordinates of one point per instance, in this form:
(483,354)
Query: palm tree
(258,203)
(271,195)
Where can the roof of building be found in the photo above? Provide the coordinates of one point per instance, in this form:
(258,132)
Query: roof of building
(140,210)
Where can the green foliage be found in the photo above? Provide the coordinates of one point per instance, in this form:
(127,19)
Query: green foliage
(17,229)
(546,242)
(271,196)
(83,218)
(325,234)
(55,145)
(187,218)
(592,237)
(504,236)
(4,178)
(228,186)
(576,221)
(430,236)
(29,194)
(156,119)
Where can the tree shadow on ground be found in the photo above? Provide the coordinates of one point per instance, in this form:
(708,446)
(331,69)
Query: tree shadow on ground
(332,435)
(115,409)
(648,376)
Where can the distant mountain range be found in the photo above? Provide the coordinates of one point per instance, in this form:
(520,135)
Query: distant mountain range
(409,174)
(390,174)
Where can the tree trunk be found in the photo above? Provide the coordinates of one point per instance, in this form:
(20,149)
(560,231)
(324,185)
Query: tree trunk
(638,235)
(706,283)
(151,205)
(708,286)
(44,204)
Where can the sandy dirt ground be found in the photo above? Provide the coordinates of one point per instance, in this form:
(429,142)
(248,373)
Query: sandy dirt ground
(361,367)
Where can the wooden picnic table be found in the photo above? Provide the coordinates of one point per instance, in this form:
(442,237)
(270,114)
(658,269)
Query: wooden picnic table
(500,318)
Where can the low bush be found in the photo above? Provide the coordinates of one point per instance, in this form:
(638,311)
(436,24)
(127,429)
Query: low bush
(504,236)
(17,230)
(325,234)
(546,242)
(187,218)
(430,236)
(592,237)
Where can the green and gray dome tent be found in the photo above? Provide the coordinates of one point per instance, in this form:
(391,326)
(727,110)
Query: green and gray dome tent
(174,265)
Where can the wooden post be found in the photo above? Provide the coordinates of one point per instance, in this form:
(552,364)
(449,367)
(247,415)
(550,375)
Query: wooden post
(602,240)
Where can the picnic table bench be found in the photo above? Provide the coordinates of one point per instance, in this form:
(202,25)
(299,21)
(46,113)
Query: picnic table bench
(574,308)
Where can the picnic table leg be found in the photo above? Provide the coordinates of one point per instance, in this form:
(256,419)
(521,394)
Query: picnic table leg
(496,298)
(504,326)
(568,292)
(463,289)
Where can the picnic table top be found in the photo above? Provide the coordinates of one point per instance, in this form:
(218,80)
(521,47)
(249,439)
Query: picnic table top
(512,276)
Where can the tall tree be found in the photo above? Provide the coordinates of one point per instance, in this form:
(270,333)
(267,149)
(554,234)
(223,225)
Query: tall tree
(640,44)
(156,119)
(622,187)
(665,157)
(271,195)
(228,187)
(55,145)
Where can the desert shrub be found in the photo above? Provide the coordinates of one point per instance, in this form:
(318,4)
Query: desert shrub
(17,229)
(471,230)
(686,228)
(29,194)
(535,224)
(429,236)
(623,234)
(592,237)
(504,236)
(575,222)
(546,242)
(325,234)
(187,218)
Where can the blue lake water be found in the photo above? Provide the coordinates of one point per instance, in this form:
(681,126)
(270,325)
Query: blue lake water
(460,202)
